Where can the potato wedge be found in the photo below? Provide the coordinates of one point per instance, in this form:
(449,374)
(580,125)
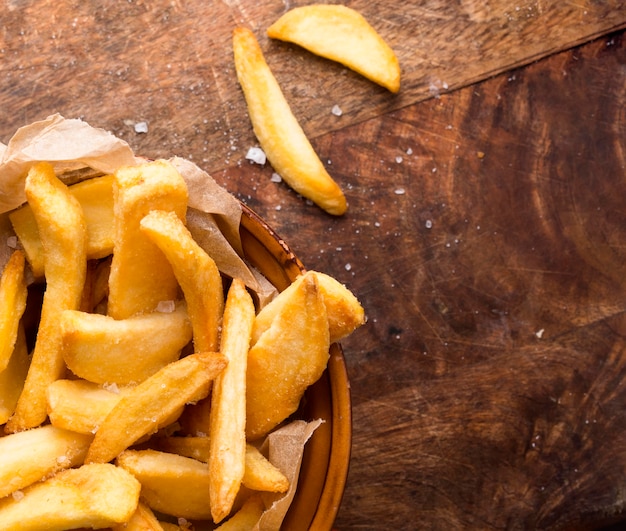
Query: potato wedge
(288,357)
(345,313)
(101,349)
(141,411)
(92,496)
(170,484)
(196,273)
(79,405)
(227,433)
(143,519)
(12,378)
(96,200)
(261,475)
(341,34)
(63,234)
(141,276)
(277,129)
(13,294)
(28,456)
(246,517)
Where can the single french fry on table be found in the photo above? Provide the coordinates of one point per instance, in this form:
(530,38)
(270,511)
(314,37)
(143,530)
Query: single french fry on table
(142,410)
(277,129)
(341,34)
(227,435)
(63,234)
(91,496)
(141,277)
(103,350)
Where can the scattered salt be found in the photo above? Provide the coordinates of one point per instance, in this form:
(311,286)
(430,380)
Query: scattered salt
(62,459)
(12,242)
(539,333)
(399,191)
(428,224)
(256,155)
(348,267)
(111,387)
(336,110)
(166,306)
(141,127)
(409,151)
(17,495)
(399,159)
(275,178)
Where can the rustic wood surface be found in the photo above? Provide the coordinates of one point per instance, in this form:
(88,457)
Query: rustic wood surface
(486,233)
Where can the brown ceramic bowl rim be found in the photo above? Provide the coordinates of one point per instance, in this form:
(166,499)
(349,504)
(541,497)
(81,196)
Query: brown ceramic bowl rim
(326,456)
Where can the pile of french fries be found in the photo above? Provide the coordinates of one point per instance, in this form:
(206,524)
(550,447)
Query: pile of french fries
(152,378)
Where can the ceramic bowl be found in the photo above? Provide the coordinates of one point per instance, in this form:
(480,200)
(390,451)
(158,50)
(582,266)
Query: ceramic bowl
(327,454)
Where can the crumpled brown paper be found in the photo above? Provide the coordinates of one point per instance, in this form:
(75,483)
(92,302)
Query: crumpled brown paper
(77,150)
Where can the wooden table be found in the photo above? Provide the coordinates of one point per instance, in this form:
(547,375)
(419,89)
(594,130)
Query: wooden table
(486,232)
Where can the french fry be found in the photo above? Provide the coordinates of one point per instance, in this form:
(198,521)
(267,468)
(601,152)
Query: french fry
(345,313)
(195,447)
(170,483)
(101,349)
(277,129)
(246,517)
(29,456)
(13,294)
(12,378)
(143,519)
(341,34)
(141,411)
(141,276)
(261,474)
(63,234)
(227,433)
(96,200)
(288,357)
(79,405)
(196,272)
(92,496)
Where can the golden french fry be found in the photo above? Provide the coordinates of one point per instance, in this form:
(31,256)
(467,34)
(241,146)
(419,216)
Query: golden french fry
(345,313)
(62,232)
(341,34)
(13,294)
(143,519)
(96,200)
(261,474)
(195,447)
(142,410)
(141,276)
(12,378)
(170,483)
(79,405)
(246,517)
(277,129)
(28,456)
(101,349)
(227,433)
(196,272)
(288,357)
(92,496)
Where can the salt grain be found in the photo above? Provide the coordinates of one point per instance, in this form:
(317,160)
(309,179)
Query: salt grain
(12,242)
(399,159)
(166,306)
(256,155)
(399,191)
(141,127)
(275,178)
(17,495)
(336,110)
(428,224)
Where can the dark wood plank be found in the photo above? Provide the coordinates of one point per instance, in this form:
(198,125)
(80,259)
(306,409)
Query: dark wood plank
(488,384)
(169,63)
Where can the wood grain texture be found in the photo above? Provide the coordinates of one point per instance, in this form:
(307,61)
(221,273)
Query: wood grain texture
(485,238)
(169,63)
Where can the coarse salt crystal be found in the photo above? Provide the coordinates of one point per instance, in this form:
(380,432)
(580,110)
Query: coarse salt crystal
(12,242)
(166,306)
(429,224)
(17,495)
(275,178)
(399,159)
(399,191)
(141,127)
(256,155)
(336,110)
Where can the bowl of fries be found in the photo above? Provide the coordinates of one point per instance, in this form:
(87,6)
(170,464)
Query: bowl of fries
(166,361)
